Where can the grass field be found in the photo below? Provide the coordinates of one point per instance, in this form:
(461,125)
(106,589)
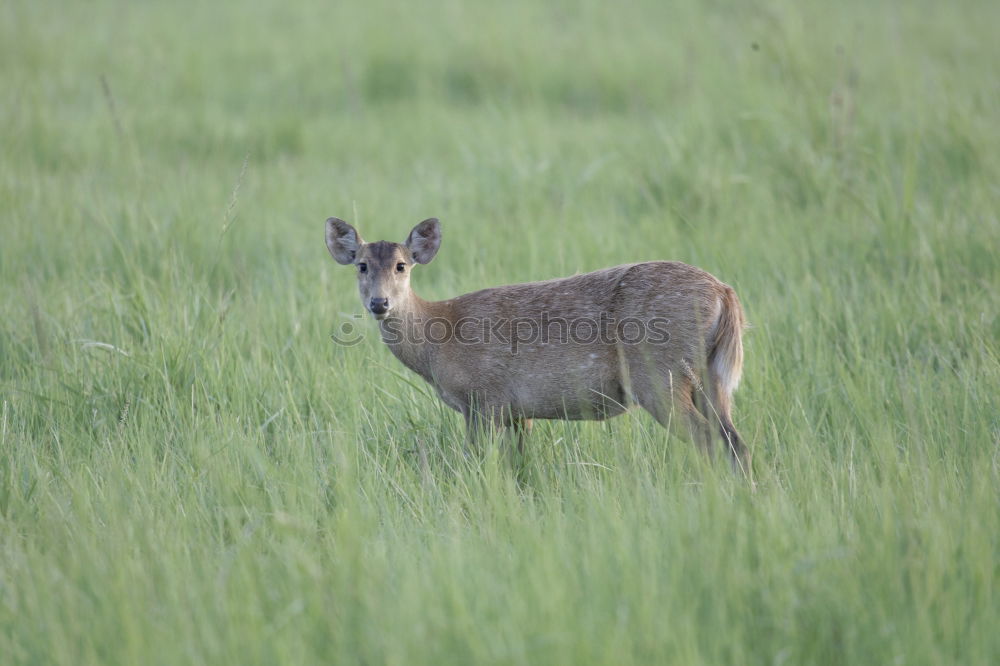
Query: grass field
(191,472)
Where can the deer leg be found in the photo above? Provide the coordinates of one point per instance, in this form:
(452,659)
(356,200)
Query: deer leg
(475,428)
(739,454)
(678,397)
(701,431)
(521,428)
(493,422)
(483,422)
(717,410)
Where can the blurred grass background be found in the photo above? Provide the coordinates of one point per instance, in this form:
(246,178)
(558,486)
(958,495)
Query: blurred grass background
(192,472)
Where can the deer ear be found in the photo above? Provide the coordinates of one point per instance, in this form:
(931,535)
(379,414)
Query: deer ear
(424,241)
(342,240)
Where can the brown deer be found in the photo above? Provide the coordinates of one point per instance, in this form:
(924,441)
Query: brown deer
(662,334)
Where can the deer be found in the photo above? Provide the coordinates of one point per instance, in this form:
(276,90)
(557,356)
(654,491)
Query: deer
(663,335)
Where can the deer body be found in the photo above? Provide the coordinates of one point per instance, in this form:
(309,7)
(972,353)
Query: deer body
(663,335)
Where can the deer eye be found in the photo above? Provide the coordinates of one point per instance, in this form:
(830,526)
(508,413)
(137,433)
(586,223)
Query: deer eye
(400,267)
(362,267)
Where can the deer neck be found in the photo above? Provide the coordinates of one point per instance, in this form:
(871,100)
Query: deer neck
(405,332)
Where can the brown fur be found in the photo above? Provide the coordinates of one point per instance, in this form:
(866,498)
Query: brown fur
(693,371)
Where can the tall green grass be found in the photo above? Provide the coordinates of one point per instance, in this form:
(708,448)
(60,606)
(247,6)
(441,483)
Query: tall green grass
(192,472)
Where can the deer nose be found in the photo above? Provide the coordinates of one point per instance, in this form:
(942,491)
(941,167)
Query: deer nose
(379,305)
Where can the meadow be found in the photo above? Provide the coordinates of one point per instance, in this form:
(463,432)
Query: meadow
(192,472)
